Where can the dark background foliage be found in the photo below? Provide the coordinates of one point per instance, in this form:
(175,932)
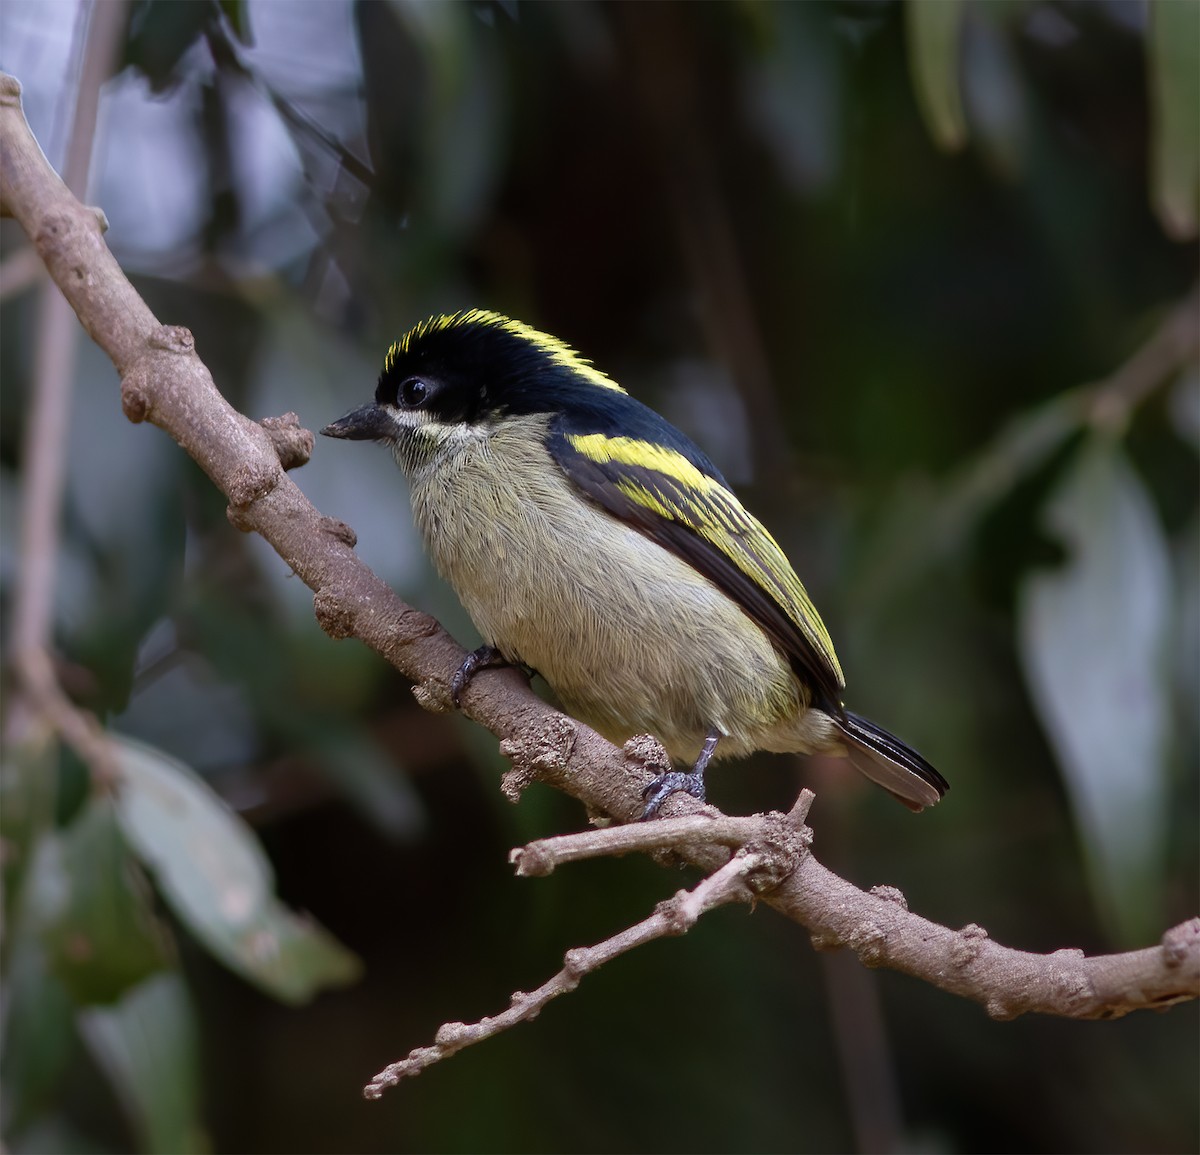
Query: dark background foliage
(742,212)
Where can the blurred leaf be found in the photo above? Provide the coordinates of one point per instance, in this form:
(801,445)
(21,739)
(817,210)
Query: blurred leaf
(54,1134)
(1184,402)
(239,20)
(28,776)
(184,707)
(125,511)
(38,1030)
(464,115)
(1174,66)
(160,35)
(1021,447)
(924,528)
(934,28)
(380,791)
(100,934)
(995,95)
(1186,654)
(297,687)
(147,1045)
(38,1021)
(1093,638)
(794,94)
(215,876)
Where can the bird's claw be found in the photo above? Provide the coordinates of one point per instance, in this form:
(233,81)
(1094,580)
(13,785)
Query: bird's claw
(666,784)
(476,660)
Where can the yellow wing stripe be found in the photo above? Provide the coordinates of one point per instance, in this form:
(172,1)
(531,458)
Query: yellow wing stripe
(559,352)
(708,508)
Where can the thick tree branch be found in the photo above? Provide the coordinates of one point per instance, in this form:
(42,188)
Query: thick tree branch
(164,382)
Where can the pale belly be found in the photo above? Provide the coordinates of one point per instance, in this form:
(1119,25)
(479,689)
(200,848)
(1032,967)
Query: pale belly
(630,638)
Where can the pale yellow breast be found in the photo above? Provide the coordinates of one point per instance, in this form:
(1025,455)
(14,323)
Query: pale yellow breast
(631,638)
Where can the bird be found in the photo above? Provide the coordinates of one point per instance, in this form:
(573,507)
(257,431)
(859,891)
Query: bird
(592,542)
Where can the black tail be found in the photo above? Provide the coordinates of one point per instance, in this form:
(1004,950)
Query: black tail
(884,759)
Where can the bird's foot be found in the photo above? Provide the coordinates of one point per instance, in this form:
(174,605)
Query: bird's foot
(666,784)
(484,658)
(693,782)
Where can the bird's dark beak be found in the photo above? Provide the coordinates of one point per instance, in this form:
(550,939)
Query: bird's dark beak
(370,423)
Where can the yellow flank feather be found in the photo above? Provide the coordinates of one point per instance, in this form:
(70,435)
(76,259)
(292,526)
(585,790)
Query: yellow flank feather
(709,509)
(559,352)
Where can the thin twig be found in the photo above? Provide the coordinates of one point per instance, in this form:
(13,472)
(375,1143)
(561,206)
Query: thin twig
(675,916)
(43,468)
(542,856)
(44,697)
(1176,342)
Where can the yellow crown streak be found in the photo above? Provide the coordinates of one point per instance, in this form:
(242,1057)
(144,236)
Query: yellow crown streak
(559,352)
(716,515)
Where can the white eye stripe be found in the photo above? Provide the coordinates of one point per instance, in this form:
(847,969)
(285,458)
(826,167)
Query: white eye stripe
(430,427)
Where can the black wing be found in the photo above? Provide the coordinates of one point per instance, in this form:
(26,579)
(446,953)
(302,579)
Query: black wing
(673,495)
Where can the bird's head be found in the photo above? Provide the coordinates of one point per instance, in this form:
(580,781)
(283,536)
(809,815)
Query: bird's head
(470,369)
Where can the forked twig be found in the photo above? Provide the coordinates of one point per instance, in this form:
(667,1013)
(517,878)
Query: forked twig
(712,828)
(674,916)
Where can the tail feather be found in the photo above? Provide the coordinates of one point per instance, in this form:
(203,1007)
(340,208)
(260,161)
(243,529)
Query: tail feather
(883,758)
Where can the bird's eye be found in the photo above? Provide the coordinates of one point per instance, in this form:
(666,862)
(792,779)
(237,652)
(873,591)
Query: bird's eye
(413,391)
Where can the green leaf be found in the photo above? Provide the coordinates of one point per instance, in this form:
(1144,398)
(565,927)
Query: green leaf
(934,39)
(100,933)
(147,1045)
(795,93)
(211,870)
(924,528)
(463,113)
(39,1037)
(369,779)
(1093,638)
(994,93)
(28,785)
(1173,45)
(239,20)
(1185,660)
(1184,403)
(160,35)
(55,1134)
